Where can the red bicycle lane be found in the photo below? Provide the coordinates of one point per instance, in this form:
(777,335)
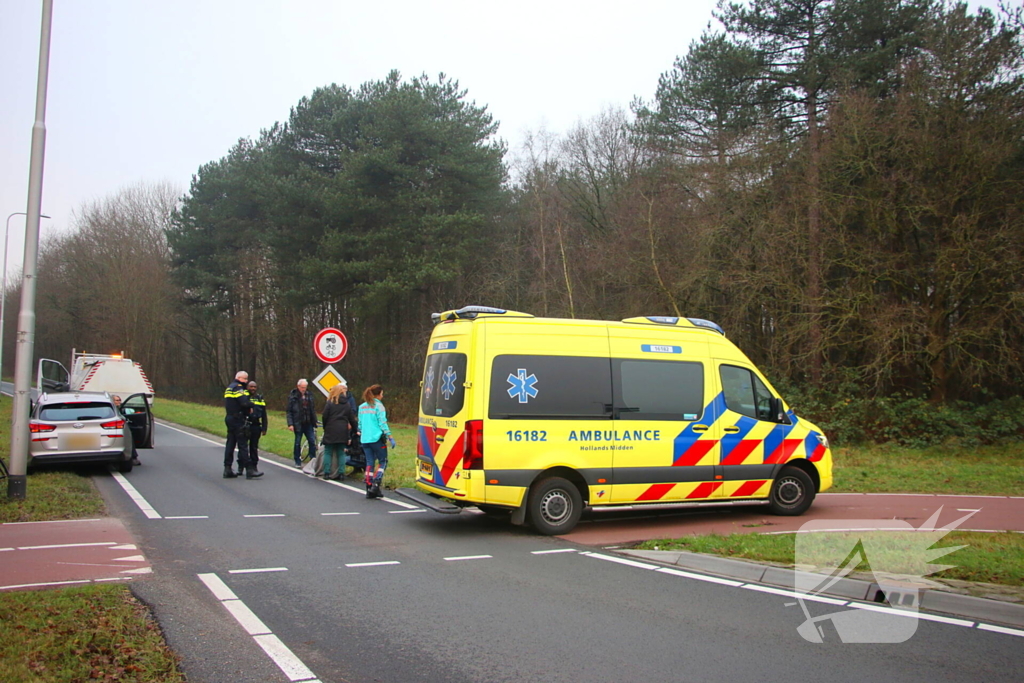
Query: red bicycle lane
(65,552)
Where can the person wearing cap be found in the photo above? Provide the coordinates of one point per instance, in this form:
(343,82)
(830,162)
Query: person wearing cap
(257,420)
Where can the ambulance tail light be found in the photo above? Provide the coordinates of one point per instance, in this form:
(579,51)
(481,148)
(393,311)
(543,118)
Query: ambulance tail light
(473,457)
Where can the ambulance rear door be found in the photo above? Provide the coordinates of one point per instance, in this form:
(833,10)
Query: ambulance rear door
(440,446)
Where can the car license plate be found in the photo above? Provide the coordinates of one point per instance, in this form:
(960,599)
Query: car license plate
(80,442)
(426,469)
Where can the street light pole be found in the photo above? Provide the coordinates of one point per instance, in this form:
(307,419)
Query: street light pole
(3,295)
(17,479)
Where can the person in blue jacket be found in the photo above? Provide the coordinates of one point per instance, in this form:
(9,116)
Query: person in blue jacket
(375,436)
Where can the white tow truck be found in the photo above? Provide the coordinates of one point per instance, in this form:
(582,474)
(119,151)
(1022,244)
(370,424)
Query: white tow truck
(110,373)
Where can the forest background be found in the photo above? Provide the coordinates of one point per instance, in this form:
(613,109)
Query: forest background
(838,183)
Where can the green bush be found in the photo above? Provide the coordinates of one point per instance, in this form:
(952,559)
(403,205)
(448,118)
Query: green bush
(848,416)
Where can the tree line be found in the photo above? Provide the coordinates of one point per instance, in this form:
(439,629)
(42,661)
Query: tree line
(838,183)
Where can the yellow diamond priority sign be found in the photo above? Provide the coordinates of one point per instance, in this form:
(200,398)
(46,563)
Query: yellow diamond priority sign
(327,379)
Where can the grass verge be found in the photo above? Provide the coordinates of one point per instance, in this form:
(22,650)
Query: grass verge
(989,558)
(89,633)
(984,470)
(54,493)
(279,441)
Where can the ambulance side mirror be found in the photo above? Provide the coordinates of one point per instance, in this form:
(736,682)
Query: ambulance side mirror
(776,411)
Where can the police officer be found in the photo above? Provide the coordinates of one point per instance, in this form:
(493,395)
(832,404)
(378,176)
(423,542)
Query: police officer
(257,425)
(237,407)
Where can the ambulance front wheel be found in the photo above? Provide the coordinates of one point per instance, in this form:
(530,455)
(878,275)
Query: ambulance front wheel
(554,506)
(792,492)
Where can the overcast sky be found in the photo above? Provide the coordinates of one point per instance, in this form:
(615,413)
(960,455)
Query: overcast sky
(144,90)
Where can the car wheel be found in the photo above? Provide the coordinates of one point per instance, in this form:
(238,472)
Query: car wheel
(554,506)
(792,492)
(125,467)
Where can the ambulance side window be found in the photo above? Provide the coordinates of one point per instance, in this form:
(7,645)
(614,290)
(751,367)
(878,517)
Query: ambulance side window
(745,393)
(550,387)
(658,390)
(443,393)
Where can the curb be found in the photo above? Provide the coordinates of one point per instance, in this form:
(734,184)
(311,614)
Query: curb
(954,604)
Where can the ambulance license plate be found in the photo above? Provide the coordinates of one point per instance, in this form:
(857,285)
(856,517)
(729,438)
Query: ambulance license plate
(426,469)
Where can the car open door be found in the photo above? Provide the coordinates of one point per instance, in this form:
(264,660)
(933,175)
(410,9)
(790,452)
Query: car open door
(52,376)
(139,413)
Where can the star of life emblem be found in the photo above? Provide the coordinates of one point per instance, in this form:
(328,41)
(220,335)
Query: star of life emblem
(428,384)
(448,383)
(522,385)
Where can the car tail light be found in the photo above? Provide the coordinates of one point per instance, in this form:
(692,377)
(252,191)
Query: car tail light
(473,458)
(37,427)
(113,424)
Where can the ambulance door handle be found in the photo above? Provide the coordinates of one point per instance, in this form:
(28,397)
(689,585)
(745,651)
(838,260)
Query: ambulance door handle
(731,430)
(700,428)
(439,438)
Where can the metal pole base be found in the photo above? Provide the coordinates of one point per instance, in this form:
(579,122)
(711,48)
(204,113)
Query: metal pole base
(16,486)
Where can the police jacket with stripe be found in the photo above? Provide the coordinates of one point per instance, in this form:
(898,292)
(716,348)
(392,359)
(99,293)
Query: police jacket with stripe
(258,416)
(236,400)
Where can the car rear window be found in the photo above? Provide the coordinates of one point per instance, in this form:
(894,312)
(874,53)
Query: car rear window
(60,412)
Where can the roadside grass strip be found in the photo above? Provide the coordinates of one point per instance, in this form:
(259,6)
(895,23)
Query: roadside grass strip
(284,658)
(133,493)
(760,588)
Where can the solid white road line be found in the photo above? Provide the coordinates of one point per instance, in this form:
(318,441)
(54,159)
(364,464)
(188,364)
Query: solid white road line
(1000,629)
(882,609)
(372,564)
(143,504)
(468,557)
(278,652)
(621,560)
(256,571)
(292,468)
(405,512)
(189,517)
(699,577)
(550,552)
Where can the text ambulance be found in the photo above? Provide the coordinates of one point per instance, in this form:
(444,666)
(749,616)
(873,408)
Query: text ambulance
(539,417)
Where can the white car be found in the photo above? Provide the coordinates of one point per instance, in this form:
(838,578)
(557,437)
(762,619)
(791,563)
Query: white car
(86,427)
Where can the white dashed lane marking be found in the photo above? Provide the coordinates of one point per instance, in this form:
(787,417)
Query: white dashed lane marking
(273,515)
(257,571)
(372,564)
(468,557)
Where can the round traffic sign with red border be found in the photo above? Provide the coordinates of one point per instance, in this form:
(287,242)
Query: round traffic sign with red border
(330,345)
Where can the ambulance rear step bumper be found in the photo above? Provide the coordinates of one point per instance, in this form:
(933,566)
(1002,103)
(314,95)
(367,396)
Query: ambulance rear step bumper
(428,501)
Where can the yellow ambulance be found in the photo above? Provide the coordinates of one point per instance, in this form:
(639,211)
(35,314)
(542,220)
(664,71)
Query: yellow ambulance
(537,418)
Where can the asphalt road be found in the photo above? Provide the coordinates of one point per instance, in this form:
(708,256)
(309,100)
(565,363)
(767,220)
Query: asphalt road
(380,591)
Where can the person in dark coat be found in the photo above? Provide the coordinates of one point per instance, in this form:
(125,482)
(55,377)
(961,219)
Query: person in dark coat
(339,421)
(301,414)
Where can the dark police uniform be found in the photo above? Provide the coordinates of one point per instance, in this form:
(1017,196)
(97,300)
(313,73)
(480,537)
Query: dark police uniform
(236,407)
(257,427)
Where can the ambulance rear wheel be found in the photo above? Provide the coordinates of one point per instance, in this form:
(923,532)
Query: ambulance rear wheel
(554,506)
(792,492)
